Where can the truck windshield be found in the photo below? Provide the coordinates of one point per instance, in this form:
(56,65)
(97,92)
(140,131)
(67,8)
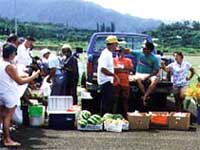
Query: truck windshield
(133,42)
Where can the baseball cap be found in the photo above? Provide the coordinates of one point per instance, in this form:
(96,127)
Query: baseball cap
(12,37)
(30,38)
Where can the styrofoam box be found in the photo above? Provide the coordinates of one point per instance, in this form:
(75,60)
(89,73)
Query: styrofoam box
(59,103)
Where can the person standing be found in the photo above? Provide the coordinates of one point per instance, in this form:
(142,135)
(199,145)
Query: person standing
(56,73)
(71,73)
(105,74)
(122,67)
(9,95)
(179,71)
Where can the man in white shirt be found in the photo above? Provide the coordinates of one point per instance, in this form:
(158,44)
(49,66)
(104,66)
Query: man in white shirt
(24,52)
(105,74)
(24,59)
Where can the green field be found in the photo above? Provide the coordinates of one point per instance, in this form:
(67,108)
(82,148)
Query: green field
(194,60)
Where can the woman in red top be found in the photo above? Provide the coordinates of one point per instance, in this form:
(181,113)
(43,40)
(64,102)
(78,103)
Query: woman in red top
(122,66)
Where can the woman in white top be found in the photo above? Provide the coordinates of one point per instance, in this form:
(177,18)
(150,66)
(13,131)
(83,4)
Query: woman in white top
(179,71)
(9,95)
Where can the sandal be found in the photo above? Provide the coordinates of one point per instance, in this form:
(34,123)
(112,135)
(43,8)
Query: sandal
(12,144)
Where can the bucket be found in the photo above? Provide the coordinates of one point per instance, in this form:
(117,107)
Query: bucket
(36,115)
(36,121)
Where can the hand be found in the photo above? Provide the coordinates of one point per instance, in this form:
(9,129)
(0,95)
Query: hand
(36,74)
(117,79)
(162,63)
(187,78)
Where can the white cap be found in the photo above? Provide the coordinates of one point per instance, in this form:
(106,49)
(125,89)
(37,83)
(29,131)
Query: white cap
(44,51)
(67,46)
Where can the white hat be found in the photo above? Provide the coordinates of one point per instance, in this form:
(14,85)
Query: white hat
(66,46)
(44,51)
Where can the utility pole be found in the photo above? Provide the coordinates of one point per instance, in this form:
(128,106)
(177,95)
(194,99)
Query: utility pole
(15,1)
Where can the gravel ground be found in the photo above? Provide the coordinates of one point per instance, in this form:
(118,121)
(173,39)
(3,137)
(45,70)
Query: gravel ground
(154,139)
(41,138)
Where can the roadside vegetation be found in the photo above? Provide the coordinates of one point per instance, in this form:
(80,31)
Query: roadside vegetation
(183,36)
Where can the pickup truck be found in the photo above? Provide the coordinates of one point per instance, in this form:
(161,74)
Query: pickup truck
(134,42)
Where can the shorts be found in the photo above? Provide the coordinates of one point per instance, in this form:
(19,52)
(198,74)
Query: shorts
(179,89)
(9,100)
(142,76)
(121,91)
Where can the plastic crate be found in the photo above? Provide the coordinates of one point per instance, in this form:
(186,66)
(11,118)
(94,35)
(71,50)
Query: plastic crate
(59,103)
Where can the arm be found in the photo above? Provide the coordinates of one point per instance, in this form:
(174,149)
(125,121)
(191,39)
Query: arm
(164,67)
(192,72)
(12,72)
(108,73)
(51,74)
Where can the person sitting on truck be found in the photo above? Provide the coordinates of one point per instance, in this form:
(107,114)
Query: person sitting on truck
(105,74)
(147,69)
(122,67)
(179,71)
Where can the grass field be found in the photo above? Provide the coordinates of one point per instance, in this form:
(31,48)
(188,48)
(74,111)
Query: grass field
(195,61)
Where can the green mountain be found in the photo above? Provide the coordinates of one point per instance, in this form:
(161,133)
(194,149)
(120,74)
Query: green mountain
(75,13)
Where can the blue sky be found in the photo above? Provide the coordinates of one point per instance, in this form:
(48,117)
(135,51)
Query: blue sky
(166,10)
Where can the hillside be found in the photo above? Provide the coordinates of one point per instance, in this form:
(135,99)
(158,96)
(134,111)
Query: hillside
(75,13)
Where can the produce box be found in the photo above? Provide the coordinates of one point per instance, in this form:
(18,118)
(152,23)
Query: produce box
(61,120)
(90,127)
(179,121)
(138,121)
(113,127)
(159,119)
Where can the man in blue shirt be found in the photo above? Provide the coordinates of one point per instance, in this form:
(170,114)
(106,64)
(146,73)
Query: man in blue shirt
(147,69)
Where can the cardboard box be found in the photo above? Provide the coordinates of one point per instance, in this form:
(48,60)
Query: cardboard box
(179,121)
(138,121)
(62,120)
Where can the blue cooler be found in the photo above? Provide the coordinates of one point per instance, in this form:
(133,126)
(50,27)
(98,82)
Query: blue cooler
(61,120)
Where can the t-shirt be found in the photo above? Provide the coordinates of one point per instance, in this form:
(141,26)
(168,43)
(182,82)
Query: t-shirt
(123,76)
(179,73)
(105,61)
(23,55)
(146,63)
